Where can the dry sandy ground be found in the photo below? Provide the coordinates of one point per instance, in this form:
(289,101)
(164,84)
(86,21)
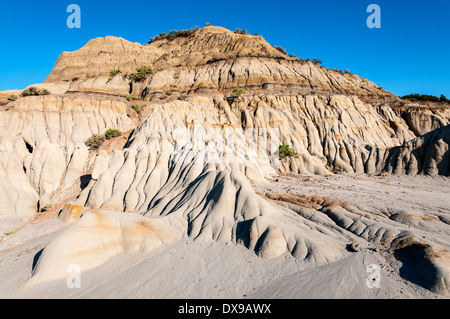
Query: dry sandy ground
(190,269)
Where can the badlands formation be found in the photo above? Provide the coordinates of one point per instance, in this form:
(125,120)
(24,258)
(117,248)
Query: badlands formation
(193,200)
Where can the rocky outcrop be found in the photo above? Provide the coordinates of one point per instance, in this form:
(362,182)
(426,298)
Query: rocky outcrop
(428,154)
(422,120)
(187,165)
(43,145)
(213,59)
(99,57)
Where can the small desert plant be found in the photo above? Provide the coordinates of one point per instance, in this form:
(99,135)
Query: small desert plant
(46,207)
(112,132)
(317,61)
(130,97)
(347,71)
(74,79)
(285,151)
(95,141)
(13,97)
(114,72)
(142,73)
(237,92)
(137,108)
(239,31)
(32,90)
(172,35)
(9,232)
(207,24)
(280,49)
(182,97)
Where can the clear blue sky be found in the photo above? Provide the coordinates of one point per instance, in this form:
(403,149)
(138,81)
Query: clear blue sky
(409,54)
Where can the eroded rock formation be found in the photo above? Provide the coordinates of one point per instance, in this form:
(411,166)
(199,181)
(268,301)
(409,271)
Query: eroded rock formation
(174,185)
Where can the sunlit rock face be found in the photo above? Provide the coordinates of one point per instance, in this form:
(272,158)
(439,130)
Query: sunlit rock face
(191,156)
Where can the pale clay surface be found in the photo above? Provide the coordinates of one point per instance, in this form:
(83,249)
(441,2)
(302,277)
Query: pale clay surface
(372,178)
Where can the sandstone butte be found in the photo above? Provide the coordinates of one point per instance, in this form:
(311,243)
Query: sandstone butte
(149,189)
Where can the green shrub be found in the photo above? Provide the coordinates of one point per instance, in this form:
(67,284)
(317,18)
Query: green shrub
(280,49)
(137,108)
(285,151)
(111,133)
(207,24)
(426,98)
(317,61)
(142,73)
(13,97)
(237,92)
(114,72)
(95,141)
(9,232)
(172,35)
(32,91)
(130,97)
(46,207)
(74,79)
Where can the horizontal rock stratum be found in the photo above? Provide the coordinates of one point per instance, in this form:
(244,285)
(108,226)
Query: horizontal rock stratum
(192,153)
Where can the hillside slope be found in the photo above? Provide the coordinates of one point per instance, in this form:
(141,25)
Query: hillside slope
(188,165)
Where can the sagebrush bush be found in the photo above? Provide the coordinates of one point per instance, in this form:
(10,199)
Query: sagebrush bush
(46,207)
(237,92)
(285,151)
(142,73)
(13,97)
(32,91)
(114,72)
(95,141)
(317,61)
(137,108)
(172,35)
(130,97)
(280,49)
(112,132)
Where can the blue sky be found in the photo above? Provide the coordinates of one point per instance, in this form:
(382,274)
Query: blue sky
(410,53)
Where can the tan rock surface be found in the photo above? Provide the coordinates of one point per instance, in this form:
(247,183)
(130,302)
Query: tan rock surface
(191,161)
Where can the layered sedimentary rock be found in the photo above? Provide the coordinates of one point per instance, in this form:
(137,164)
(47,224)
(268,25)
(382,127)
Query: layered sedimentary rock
(99,57)
(43,145)
(187,167)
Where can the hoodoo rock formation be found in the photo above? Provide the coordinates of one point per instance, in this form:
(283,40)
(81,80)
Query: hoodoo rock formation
(191,157)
